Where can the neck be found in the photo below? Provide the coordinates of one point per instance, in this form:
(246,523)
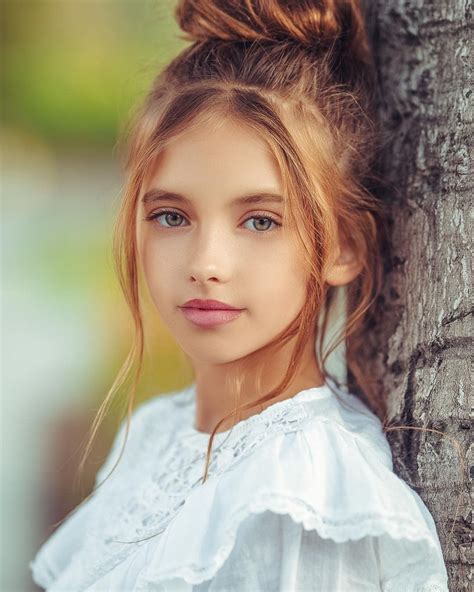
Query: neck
(214,399)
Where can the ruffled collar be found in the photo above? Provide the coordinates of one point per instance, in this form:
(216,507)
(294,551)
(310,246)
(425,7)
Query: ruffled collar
(162,469)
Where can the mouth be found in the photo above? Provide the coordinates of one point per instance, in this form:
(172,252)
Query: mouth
(209,304)
(207,317)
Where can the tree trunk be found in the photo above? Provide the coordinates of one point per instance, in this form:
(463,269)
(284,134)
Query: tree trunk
(421,341)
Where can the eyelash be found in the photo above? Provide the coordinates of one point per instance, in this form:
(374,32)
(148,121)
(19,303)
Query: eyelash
(154,218)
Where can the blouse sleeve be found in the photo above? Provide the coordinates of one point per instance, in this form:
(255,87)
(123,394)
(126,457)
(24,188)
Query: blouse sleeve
(274,553)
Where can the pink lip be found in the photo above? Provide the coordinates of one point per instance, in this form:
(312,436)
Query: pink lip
(208,317)
(209,304)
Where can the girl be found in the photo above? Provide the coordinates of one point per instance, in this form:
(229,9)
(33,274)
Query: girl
(247,206)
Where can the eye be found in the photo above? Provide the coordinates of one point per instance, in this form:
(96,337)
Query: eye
(174,218)
(265,218)
(170,217)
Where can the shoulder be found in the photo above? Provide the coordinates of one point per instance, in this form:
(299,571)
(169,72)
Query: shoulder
(330,474)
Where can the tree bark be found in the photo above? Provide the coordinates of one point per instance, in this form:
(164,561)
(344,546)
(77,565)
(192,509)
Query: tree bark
(421,341)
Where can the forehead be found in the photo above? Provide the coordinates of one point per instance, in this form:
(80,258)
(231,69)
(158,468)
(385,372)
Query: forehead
(221,155)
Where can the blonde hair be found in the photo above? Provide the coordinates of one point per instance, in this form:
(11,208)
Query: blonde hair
(301,75)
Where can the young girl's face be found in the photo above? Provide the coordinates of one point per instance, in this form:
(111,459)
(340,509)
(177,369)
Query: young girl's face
(207,244)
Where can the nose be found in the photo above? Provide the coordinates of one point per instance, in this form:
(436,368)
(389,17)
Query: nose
(209,257)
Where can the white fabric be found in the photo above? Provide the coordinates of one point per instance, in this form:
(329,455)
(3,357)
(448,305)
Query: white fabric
(301,496)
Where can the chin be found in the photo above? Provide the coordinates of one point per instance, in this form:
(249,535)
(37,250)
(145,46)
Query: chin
(213,353)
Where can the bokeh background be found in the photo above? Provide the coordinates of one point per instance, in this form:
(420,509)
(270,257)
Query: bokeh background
(71,72)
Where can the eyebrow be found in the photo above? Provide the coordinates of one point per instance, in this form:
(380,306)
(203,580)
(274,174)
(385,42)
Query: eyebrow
(251,198)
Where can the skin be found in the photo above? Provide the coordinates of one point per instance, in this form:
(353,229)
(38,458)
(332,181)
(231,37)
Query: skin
(213,248)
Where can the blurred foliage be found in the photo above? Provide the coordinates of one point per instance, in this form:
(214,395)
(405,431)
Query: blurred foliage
(72,69)
(71,72)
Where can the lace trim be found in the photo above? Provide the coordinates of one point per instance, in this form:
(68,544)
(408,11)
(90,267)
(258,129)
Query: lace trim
(396,525)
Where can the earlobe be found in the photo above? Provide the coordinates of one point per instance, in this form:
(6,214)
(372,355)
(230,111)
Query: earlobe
(345,268)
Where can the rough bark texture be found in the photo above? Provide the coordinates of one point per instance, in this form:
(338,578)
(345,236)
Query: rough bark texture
(421,344)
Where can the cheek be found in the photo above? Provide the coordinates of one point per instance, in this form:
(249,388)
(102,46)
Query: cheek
(278,284)
(160,271)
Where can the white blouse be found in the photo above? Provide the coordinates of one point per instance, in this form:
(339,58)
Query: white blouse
(299,497)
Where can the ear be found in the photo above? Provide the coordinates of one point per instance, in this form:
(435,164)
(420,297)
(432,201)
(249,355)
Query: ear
(344,268)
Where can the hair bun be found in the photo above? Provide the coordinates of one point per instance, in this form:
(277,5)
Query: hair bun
(310,22)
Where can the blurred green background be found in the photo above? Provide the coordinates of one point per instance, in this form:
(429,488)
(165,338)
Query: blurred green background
(71,72)
(71,69)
